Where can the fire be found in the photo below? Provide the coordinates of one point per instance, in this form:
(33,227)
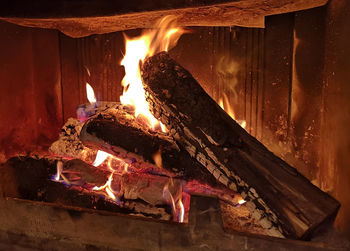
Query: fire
(176,206)
(182,211)
(59,173)
(136,50)
(59,167)
(157,157)
(241,202)
(90,94)
(225,105)
(101,156)
(169,198)
(107,187)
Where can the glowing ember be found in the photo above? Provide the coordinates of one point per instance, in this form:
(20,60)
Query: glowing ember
(136,50)
(90,94)
(101,156)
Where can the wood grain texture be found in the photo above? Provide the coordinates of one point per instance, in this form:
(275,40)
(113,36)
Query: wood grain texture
(247,13)
(119,133)
(283,200)
(30,89)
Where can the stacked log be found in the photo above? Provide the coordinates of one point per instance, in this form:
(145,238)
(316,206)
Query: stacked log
(117,132)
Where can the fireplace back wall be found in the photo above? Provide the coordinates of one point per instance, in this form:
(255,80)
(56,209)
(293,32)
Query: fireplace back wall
(284,81)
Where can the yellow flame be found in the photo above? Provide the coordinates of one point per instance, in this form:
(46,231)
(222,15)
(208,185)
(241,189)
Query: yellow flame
(241,201)
(59,167)
(228,107)
(182,211)
(101,156)
(90,93)
(221,104)
(136,50)
(107,187)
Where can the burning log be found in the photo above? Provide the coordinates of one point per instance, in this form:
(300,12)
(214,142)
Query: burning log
(280,198)
(31,179)
(118,132)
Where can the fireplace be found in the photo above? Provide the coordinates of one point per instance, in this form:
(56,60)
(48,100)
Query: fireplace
(285,84)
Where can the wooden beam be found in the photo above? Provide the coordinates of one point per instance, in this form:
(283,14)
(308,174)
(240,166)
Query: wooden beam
(78,19)
(37,225)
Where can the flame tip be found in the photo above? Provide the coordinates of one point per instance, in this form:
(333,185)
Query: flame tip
(137,49)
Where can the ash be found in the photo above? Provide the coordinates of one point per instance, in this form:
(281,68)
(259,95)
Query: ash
(69,144)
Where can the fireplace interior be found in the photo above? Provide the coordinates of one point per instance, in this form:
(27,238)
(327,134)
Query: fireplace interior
(285,83)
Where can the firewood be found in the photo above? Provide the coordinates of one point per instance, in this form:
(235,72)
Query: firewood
(31,179)
(280,198)
(118,132)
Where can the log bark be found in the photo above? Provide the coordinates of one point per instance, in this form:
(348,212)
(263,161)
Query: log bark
(280,198)
(118,132)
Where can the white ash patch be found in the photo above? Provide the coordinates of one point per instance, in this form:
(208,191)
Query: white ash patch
(69,144)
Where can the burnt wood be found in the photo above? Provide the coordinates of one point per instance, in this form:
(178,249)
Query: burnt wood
(30,179)
(281,198)
(118,132)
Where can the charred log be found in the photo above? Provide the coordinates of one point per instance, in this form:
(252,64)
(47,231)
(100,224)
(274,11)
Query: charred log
(118,132)
(29,178)
(280,198)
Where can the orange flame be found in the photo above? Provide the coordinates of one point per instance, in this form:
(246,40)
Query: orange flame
(226,106)
(136,50)
(107,187)
(157,157)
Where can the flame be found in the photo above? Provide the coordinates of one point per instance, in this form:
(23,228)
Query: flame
(101,156)
(59,167)
(113,162)
(169,197)
(182,211)
(157,157)
(226,106)
(90,93)
(59,173)
(243,123)
(107,187)
(241,201)
(177,207)
(136,50)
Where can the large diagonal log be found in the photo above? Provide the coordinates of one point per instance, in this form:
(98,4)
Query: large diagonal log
(282,199)
(118,132)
